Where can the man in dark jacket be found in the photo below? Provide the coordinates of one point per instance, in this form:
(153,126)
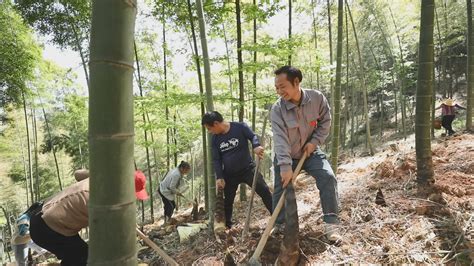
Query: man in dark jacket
(232,161)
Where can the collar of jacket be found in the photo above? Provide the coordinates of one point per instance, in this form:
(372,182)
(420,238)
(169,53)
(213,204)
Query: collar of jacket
(289,105)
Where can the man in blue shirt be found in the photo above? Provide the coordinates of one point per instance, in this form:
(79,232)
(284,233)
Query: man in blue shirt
(232,161)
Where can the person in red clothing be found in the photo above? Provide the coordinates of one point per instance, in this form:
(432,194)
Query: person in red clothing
(448,113)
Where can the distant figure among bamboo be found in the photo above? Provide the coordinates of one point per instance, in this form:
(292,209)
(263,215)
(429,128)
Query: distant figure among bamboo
(173,185)
(448,114)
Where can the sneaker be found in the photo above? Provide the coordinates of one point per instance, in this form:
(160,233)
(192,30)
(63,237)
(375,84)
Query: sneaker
(332,232)
(278,229)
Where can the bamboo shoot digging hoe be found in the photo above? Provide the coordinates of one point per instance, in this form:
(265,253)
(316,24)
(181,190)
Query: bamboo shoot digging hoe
(249,210)
(158,250)
(254,182)
(254,260)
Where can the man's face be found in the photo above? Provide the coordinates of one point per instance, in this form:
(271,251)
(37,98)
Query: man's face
(215,129)
(285,89)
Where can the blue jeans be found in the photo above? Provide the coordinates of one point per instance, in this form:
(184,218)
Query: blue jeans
(318,167)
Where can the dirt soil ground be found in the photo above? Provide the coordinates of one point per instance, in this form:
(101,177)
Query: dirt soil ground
(405,228)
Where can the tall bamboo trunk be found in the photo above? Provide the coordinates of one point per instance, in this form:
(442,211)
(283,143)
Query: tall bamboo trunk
(440,69)
(35,144)
(447,61)
(165,73)
(337,91)
(81,156)
(331,89)
(380,95)
(145,132)
(175,154)
(346,91)
(353,107)
(210,107)
(193,173)
(206,162)
(155,163)
(289,30)
(25,170)
(77,41)
(175,140)
(470,67)
(48,129)
(79,48)
(28,145)
(401,78)
(229,73)
(243,188)
(425,174)
(254,76)
(364,90)
(315,36)
(112,210)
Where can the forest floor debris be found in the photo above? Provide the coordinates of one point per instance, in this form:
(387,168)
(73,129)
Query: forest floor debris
(409,229)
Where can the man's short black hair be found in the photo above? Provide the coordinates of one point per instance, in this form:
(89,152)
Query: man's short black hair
(291,73)
(210,117)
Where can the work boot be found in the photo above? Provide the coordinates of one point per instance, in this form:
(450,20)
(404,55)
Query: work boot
(332,232)
(278,229)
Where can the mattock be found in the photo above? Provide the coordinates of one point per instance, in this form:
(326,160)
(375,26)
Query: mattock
(254,182)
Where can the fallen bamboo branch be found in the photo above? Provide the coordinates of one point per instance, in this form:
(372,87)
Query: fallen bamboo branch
(154,246)
(261,244)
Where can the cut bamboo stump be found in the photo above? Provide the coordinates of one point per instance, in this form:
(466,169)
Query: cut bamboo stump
(254,260)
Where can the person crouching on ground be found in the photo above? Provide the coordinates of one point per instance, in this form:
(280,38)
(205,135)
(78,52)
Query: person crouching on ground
(56,226)
(171,186)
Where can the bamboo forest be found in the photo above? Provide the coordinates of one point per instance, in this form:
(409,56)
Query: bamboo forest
(257,132)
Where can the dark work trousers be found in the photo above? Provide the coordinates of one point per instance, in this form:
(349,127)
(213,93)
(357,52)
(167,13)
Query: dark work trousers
(71,250)
(318,167)
(168,205)
(447,121)
(230,189)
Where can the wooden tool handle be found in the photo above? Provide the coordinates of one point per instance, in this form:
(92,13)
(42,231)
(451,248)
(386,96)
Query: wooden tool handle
(266,233)
(154,246)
